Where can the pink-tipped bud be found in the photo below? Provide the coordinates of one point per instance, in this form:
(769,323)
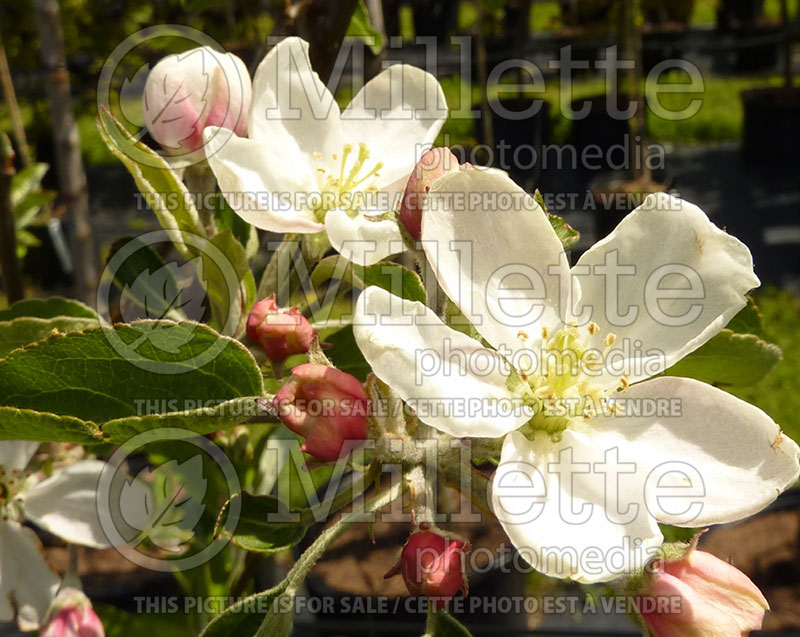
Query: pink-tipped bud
(327,407)
(188,91)
(699,594)
(71,615)
(432,565)
(279,332)
(432,165)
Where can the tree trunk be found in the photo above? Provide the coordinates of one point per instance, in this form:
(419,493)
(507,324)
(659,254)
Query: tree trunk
(71,175)
(631,31)
(322,24)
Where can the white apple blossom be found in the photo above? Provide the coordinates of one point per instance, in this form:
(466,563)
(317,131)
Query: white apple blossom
(594,454)
(63,504)
(307,167)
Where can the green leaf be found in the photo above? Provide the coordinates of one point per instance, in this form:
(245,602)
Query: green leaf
(27,424)
(361,26)
(442,624)
(565,232)
(31,205)
(144,278)
(25,330)
(747,320)
(48,308)
(164,192)
(27,181)
(226,304)
(256,532)
(105,373)
(202,420)
(395,278)
(244,618)
(729,359)
(345,353)
(227,219)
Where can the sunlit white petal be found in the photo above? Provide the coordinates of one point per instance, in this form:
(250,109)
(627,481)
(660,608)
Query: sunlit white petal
(715,458)
(398,114)
(495,254)
(434,367)
(362,240)
(65,504)
(15,454)
(562,517)
(665,247)
(263,184)
(27,585)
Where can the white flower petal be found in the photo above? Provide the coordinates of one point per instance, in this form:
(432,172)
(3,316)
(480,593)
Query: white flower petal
(15,454)
(25,577)
(261,184)
(65,504)
(291,106)
(361,240)
(398,115)
(434,368)
(557,513)
(670,238)
(495,254)
(730,459)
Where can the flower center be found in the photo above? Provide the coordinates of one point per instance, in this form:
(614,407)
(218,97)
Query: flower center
(11,483)
(341,181)
(559,382)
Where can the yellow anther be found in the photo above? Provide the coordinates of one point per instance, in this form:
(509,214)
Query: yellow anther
(610,338)
(545,333)
(523,336)
(594,328)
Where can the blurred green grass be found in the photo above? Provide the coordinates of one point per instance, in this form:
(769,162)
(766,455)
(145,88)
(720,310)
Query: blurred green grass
(720,117)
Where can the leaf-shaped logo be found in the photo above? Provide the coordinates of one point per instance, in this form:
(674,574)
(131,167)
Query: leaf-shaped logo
(181,105)
(165,503)
(130,96)
(166,293)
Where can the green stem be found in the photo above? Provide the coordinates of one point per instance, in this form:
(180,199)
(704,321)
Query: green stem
(200,181)
(314,552)
(430,622)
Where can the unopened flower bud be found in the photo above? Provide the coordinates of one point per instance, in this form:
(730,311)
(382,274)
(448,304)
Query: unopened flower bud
(326,406)
(432,165)
(71,615)
(432,565)
(188,91)
(711,598)
(279,332)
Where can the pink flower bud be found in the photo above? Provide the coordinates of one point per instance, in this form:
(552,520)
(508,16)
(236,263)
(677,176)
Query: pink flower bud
(279,332)
(71,615)
(699,594)
(432,165)
(326,406)
(432,565)
(186,92)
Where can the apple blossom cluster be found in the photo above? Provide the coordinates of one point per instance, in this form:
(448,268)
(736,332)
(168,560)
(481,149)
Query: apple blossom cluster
(568,478)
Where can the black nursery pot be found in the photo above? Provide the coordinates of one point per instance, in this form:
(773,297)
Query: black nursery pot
(600,128)
(519,138)
(771,126)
